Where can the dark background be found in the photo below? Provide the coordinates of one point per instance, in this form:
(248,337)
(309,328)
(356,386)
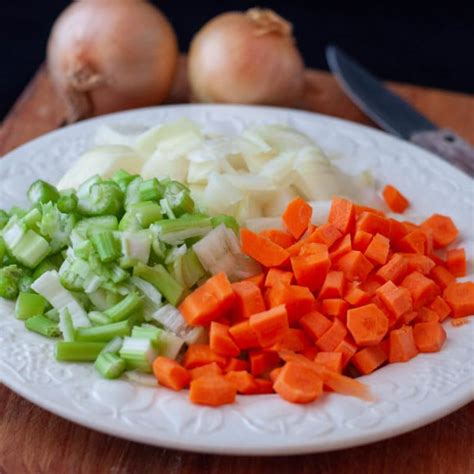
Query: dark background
(423,45)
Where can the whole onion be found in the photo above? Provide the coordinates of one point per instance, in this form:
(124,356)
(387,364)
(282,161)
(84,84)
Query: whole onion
(246,58)
(110,55)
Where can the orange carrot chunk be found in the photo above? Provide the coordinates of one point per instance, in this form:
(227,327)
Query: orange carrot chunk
(208,302)
(342,214)
(347,349)
(298,300)
(332,337)
(402,345)
(311,270)
(395,200)
(261,249)
(275,275)
(369,359)
(244,335)
(333,286)
(315,324)
(362,240)
(262,361)
(354,265)
(378,249)
(413,242)
(248,299)
(274,373)
(367,324)
(294,340)
(212,390)
(444,230)
(297,216)
(397,230)
(279,237)
(270,326)
(258,280)
(456,261)
(242,381)
(336,307)
(395,269)
(330,360)
(170,374)
(202,354)
(298,384)
(441,308)
(341,247)
(355,296)
(426,315)
(429,337)
(373,224)
(221,342)
(397,300)
(460,296)
(441,276)
(203,370)
(419,263)
(326,234)
(422,289)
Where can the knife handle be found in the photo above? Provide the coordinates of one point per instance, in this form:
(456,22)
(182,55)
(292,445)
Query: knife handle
(448,145)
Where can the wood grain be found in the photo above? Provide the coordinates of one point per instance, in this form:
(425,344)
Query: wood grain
(35,441)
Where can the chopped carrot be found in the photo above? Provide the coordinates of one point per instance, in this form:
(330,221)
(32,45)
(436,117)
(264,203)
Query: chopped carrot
(413,242)
(236,364)
(274,373)
(355,296)
(170,373)
(395,269)
(275,275)
(297,216)
(362,240)
(395,200)
(460,296)
(396,299)
(441,308)
(298,384)
(397,230)
(313,248)
(402,345)
(456,261)
(429,245)
(426,315)
(244,335)
(342,214)
(372,284)
(373,223)
(332,337)
(261,249)
(367,324)
(419,263)
(213,390)
(310,352)
(262,361)
(408,317)
(298,300)
(423,290)
(311,270)
(203,370)
(359,209)
(258,280)
(294,340)
(330,360)
(248,300)
(410,226)
(444,230)
(429,337)
(202,354)
(333,286)
(437,259)
(221,342)
(341,247)
(354,265)
(378,249)
(459,322)
(243,381)
(270,326)
(315,324)
(208,302)
(335,307)
(347,348)
(279,237)
(441,276)
(264,386)
(385,346)
(369,359)
(326,234)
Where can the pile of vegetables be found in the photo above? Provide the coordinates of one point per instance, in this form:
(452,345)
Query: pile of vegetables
(251,176)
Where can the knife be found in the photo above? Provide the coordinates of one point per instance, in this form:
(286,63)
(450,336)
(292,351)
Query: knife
(395,115)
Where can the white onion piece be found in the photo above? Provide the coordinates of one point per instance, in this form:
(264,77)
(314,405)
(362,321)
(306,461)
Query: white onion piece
(262,223)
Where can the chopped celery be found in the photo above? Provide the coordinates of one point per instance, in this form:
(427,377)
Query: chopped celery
(67,203)
(136,246)
(124,308)
(31,249)
(106,245)
(123,179)
(179,198)
(138,353)
(158,250)
(132,195)
(32,218)
(65,326)
(192,270)
(40,191)
(166,208)
(102,198)
(162,280)
(110,365)
(103,333)
(42,325)
(149,291)
(52,314)
(170,317)
(43,267)
(3,250)
(13,232)
(146,212)
(86,226)
(148,332)
(3,219)
(8,286)
(170,345)
(229,221)
(78,351)
(174,254)
(129,222)
(25,282)
(83,249)
(98,318)
(176,231)
(151,190)
(103,299)
(28,305)
(55,226)
(17,212)
(114,345)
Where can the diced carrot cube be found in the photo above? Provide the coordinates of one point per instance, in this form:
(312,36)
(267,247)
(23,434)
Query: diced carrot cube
(332,337)
(355,296)
(397,231)
(460,296)
(402,345)
(203,370)
(341,247)
(419,263)
(422,289)
(213,390)
(362,240)
(310,352)
(413,242)
(441,308)
(378,249)
(314,324)
(270,326)
(262,249)
(441,276)
(456,261)
(373,223)
(298,300)
(347,349)
(395,269)
(311,270)
(170,373)
(236,365)
(395,200)
(243,382)
(244,335)
(335,307)
(444,230)
(397,300)
(342,214)
(248,300)
(279,237)
(367,324)
(354,265)
(201,354)
(426,315)
(297,216)
(275,275)
(294,340)
(333,286)
(221,342)
(330,360)
(429,337)
(262,361)
(369,359)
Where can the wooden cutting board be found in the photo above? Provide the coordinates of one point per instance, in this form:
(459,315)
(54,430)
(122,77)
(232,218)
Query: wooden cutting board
(35,441)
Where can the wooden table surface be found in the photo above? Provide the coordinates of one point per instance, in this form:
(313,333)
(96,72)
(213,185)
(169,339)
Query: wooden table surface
(34,441)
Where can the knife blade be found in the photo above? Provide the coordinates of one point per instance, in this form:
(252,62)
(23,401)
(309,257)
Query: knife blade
(395,115)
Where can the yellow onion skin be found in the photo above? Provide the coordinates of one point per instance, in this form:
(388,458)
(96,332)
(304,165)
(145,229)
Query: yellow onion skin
(248,58)
(111,55)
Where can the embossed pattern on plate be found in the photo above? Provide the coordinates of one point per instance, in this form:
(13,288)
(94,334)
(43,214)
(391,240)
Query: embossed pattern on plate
(408,395)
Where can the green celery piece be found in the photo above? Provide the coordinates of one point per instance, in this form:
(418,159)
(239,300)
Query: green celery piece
(114,345)
(86,227)
(3,250)
(103,333)
(159,250)
(170,345)
(229,221)
(45,266)
(98,318)
(103,198)
(106,245)
(67,203)
(129,222)
(3,218)
(43,192)
(31,249)
(25,282)
(147,331)
(66,326)
(131,303)
(161,280)
(138,353)
(179,198)
(84,249)
(78,351)
(28,305)
(151,190)
(123,179)
(103,299)
(32,218)
(52,314)
(42,325)
(110,365)
(132,195)
(176,231)
(166,208)
(9,281)
(146,212)
(17,212)
(192,270)
(55,226)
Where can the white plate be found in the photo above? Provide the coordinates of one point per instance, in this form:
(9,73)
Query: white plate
(409,395)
